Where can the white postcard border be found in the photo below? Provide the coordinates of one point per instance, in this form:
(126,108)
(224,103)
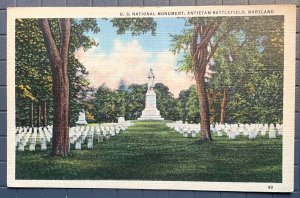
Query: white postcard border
(289,12)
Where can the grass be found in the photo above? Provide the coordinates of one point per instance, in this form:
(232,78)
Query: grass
(152,151)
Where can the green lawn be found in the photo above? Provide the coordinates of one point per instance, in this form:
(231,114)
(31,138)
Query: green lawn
(151,151)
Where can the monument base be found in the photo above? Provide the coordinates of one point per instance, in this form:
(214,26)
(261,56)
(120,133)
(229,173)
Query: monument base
(81,122)
(151,118)
(150,112)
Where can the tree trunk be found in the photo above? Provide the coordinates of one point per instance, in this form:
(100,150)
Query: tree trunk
(203,106)
(59,61)
(201,56)
(44,114)
(31,114)
(202,49)
(211,109)
(38,115)
(223,105)
(61,111)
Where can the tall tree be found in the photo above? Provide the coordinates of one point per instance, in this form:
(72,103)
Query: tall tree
(202,40)
(58,56)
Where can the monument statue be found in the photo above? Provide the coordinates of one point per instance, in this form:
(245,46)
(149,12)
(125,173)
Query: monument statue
(81,118)
(151,78)
(150,112)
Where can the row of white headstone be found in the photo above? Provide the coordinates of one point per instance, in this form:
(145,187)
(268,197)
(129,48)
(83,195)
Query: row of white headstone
(27,136)
(79,135)
(251,131)
(187,130)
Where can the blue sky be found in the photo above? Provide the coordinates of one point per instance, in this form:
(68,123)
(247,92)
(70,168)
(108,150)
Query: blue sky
(130,57)
(159,42)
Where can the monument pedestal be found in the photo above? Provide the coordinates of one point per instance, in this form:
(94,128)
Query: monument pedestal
(81,118)
(150,112)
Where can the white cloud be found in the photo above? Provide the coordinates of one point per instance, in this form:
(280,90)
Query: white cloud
(130,62)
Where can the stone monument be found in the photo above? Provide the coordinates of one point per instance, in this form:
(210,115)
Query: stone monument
(150,112)
(81,118)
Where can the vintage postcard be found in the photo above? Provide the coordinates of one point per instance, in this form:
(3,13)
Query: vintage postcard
(183,98)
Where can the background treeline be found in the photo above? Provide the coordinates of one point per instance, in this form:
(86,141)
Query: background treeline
(251,97)
(260,104)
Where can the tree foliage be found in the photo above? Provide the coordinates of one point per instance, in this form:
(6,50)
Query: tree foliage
(129,101)
(33,71)
(136,26)
(225,44)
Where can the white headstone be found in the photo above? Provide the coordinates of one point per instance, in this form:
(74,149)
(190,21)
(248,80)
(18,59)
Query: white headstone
(71,140)
(100,138)
(185,132)
(43,144)
(90,142)
(280,129)
(252,134)
(82,138)
(231,134)
(194,133)
(220,133)
(32,145)
(272,133)
(78,145)
(21,147)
